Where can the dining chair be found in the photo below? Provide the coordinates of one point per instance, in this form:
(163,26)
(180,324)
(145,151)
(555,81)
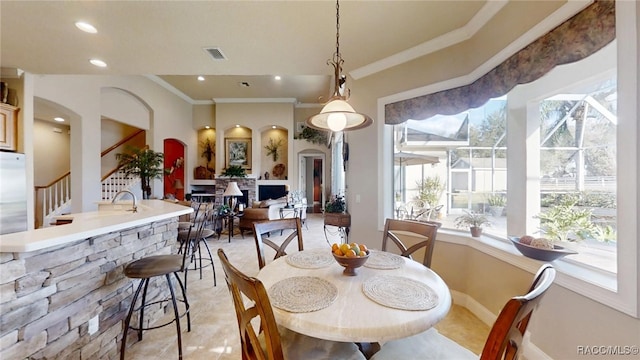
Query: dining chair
(503,343)
(198,233)
(262,229)
(268,340)
(423,229)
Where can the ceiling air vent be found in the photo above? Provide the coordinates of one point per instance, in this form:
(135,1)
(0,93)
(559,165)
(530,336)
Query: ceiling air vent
(215,53)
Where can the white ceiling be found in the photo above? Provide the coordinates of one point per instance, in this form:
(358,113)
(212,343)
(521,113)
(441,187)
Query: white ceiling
(260,39)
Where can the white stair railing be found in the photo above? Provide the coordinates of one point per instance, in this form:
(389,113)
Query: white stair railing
(53,197)
(116,182)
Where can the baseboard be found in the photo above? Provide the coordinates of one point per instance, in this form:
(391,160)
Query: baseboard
(530,351)
(475,307)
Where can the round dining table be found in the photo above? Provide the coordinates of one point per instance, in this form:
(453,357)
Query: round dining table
(353,316)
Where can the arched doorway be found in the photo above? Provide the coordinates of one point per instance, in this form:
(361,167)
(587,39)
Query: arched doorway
(311,169)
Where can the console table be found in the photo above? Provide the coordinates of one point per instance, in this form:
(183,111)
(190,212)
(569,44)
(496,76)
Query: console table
(340,220)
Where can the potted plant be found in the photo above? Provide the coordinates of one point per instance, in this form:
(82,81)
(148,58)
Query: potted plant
(335,212)
(474,221)
(430,191)
(143,163)
(496,203)
(234,171)
(565,222)
(313,136)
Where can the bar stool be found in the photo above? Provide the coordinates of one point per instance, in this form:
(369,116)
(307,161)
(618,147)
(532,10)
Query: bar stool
(198,233)
(146,269)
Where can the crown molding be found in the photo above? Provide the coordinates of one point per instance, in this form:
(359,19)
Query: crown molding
(456,36)
(253,100)
(549,23)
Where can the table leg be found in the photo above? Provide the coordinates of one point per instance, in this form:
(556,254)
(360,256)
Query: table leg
(230,221)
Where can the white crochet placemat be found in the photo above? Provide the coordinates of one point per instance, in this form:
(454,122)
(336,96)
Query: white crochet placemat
(383,260)
(302,294)
(311,259)
(400,293)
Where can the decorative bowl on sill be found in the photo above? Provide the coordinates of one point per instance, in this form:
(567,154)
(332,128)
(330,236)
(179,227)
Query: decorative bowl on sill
(539,253)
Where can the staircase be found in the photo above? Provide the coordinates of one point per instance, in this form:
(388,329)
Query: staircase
(54,199)
(115,182)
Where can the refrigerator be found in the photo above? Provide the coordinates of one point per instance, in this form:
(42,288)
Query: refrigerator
(13,193)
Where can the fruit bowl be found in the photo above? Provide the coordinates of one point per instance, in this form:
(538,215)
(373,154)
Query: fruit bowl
(350,264)
(538,253)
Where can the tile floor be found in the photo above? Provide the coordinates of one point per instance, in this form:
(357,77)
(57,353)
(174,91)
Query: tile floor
(214,333)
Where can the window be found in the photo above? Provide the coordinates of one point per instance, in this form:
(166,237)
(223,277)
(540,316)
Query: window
(604,271)
(469,170)
(578,169)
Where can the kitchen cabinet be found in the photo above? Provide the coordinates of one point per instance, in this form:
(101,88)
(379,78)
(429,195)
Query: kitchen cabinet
(8,127)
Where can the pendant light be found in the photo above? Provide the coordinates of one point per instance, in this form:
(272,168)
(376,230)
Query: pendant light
(337,114)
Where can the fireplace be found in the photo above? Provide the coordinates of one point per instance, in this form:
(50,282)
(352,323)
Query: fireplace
(246,185)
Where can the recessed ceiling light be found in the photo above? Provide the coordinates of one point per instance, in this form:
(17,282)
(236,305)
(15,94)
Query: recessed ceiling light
(237,125)
(273,126)
(207,127)
(98,63)
(86,27)
(201,78)
(277,77)
(58,119)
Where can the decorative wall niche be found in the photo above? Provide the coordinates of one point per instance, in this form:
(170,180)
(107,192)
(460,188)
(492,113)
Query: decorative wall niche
(206,164)
(274,154)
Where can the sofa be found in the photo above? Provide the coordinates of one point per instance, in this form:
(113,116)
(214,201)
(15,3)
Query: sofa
(261,210)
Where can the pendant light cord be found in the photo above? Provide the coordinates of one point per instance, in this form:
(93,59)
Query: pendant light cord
(337,57)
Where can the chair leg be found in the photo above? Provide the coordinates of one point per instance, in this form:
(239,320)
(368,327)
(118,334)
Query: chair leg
(176,314)
(206,245)
(144,301)
(200,257)
(186,301)
(127,320)
(186,283)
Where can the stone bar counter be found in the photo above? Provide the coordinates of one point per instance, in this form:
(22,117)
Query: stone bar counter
(63,294)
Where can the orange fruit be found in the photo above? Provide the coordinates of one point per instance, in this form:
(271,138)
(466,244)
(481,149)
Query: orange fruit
(344,248)
(350,253)
(334,247)
(363,247)
(338,252)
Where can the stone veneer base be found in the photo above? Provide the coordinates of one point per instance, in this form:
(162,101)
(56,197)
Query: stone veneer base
(49,296)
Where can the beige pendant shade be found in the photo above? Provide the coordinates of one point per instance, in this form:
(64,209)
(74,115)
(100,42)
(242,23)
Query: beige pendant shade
(338,115)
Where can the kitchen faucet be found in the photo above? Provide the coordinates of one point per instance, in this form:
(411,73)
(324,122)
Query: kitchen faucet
(133,196)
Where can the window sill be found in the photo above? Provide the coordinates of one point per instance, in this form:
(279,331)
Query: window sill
(592,283)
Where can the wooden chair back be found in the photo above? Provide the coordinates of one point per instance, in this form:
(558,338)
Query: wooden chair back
(258,307)
(505,338)
(261,229)
(425,229)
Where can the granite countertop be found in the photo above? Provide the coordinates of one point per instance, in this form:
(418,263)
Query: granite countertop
(89,224)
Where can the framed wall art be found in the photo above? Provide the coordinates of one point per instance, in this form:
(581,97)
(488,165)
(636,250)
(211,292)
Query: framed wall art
(238,152)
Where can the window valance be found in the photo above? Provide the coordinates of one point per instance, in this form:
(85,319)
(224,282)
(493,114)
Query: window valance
(580,36)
